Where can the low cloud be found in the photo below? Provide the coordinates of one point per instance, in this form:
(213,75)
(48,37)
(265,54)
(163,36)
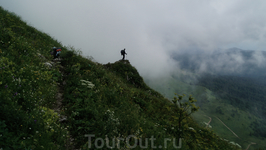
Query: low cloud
(232,61)
(152,30)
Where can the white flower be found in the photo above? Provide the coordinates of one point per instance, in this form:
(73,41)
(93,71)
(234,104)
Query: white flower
(208,125)
(236,144)
(87,83)
(48,64)
(191,128)
(112,117)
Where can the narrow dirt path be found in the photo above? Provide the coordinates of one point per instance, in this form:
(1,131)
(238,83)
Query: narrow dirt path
(227,127)
(58,105)
(209,121)
(251,143)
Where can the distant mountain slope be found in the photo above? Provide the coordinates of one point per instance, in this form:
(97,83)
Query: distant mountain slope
(245,123)
(244,92)
(229,84)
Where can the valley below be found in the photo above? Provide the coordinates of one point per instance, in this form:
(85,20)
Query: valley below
(230,105)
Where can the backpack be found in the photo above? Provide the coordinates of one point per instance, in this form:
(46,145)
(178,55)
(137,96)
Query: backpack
(56,51)
(123,52)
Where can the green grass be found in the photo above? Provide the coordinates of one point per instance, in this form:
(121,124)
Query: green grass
(109,100)
(27,88)
(120,105)
(237,120)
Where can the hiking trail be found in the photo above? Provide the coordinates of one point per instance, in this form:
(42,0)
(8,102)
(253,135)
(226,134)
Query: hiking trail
(58,104)
(251,143)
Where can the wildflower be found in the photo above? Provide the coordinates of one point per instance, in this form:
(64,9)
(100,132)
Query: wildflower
(6,86)
(141,129)
(87,83)
(191,128)
(238,145)
(208,125)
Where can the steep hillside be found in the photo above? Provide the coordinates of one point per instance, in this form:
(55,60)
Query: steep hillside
(222,99)
(76,103)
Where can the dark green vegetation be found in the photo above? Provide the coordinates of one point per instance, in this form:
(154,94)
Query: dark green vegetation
(248,126)
(245,93)
(109,101)
(236,97)
(106,100)
(27,88)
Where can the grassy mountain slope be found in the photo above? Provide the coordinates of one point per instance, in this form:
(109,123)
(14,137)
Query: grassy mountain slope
(241,122)
(108,101)
(115,102)
(27,87)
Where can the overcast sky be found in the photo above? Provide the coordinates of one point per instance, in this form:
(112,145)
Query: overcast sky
(149,29)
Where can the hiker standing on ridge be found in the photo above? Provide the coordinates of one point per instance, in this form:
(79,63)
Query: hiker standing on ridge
(123,52)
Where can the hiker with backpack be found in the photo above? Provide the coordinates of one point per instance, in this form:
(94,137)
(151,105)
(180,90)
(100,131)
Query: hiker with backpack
(56,52)
(123,52)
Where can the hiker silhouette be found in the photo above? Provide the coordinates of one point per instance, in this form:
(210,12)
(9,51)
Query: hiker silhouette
(123,52)
(56,51)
